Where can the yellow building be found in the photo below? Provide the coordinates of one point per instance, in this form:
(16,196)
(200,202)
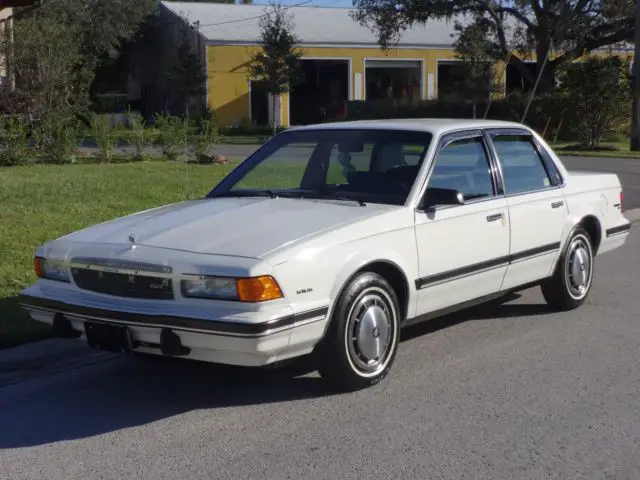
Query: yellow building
(340,58)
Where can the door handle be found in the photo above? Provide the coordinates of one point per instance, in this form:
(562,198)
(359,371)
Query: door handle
(494,217)
(557,204)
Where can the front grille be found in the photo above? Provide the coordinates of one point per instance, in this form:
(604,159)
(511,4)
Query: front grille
(117,264)
(131,285)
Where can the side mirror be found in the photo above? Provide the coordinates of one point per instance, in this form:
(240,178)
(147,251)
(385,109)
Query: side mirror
(442,196)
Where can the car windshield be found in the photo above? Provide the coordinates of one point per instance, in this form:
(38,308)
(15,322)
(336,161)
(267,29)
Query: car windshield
(368,165)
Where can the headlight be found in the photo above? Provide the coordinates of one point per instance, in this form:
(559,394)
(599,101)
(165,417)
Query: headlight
(253,289)
(51,269)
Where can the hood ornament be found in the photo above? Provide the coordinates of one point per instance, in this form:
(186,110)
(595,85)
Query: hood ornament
(132,241)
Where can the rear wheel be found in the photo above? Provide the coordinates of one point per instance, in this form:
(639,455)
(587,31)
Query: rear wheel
(361,342)
(570,284)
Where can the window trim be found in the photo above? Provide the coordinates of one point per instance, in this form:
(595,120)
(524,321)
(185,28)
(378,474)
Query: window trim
(545,159)
(444,141)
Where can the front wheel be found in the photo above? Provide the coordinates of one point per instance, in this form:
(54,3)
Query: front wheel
(570,284)
(361,342)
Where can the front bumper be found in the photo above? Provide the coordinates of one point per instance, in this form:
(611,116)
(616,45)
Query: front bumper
(235,343)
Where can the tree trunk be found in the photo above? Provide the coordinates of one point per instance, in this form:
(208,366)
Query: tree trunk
(545,84)
(273,120)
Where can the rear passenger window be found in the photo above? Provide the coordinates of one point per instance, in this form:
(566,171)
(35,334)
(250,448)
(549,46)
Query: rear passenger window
(522,167)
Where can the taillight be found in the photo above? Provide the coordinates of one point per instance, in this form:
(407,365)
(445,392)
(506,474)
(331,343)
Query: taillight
(621,199)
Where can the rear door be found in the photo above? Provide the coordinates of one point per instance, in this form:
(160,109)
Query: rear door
(537,208)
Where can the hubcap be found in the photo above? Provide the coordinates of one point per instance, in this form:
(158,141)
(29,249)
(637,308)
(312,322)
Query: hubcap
(578,268)
(370,332)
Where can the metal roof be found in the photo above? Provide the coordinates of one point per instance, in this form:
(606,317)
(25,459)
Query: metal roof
(228,23)
(239,24)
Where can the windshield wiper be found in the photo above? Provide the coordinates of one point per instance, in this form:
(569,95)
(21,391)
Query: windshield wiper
(321,195)
(245,193)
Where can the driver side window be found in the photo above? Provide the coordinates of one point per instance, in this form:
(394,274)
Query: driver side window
(463,165)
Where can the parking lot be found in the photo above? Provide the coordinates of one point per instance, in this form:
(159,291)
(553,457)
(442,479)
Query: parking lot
(502,391)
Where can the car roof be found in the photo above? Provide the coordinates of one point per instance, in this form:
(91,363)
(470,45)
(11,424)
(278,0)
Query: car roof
(436,126)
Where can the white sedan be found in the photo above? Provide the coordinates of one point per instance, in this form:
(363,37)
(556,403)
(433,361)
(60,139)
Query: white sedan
(328,240)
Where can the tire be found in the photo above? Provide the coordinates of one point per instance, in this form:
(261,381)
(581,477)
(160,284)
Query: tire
(361,342)
(571,282)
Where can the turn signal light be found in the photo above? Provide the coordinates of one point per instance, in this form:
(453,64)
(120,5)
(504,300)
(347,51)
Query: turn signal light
(258,289)
(38,267)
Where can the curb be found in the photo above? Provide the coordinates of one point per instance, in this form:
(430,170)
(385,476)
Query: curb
(47,357)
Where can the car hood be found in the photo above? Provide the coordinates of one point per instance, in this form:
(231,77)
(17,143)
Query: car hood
(243,227)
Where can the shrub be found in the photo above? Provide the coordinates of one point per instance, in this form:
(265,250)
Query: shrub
(140,135)
(172,136)
(597,96)
(13,148)
(105,136)
(509,108)
(57,139)
(206,137)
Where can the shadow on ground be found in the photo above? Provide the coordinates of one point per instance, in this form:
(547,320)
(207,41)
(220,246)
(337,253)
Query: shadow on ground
(16,327)
(129,392)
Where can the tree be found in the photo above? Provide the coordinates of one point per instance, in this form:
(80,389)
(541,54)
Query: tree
(598,91)
(102,26)
(277,63)
(187,74)
(46,61)
(65,42)
(571,28)
(477,56)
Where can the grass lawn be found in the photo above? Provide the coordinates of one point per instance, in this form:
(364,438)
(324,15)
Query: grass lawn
(40,203)
(619,149)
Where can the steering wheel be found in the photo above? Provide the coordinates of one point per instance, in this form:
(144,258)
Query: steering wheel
(393,171)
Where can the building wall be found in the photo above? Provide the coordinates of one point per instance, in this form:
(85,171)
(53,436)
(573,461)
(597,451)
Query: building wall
(229,84)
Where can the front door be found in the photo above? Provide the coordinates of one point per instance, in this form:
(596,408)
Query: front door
(463,249)
(537,208)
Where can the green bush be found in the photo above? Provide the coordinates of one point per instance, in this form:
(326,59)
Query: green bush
(172,135)
(206,137)
(13,145)
(57,139)
(105,136)
(139,136)
(509,108)
(597,93)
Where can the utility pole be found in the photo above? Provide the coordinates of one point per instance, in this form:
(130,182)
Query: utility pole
(635,115)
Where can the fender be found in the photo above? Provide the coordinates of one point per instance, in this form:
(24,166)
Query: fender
(406,262)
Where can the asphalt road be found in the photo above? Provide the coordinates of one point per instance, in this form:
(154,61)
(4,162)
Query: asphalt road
(508,391)
(627,169)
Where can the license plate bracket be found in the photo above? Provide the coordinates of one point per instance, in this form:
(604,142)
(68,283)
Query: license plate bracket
(108,337)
